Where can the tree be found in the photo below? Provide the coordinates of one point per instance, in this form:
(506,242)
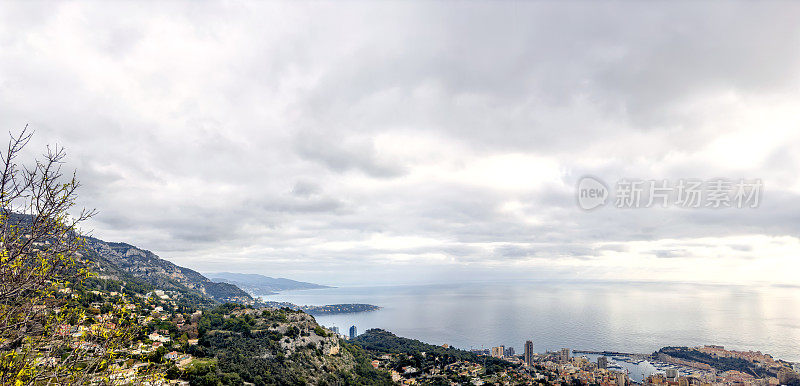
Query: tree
(40,261)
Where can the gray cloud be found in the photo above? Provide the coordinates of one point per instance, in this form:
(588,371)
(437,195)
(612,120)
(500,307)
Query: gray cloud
(668,253)
(304,140)
(339,157)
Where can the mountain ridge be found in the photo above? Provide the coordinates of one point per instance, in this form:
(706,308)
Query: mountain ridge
(257,284)
(119,260)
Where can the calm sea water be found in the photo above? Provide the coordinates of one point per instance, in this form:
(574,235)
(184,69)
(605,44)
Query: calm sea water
(626,317)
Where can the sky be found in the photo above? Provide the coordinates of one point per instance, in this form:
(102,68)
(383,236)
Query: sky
(364,143)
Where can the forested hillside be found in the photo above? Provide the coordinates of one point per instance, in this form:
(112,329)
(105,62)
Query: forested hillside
(275,347)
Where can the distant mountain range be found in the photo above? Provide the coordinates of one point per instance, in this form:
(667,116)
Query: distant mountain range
(256,284)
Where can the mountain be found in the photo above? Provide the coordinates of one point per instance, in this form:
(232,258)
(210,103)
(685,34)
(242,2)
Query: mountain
(259,284)
(121,261)
(127,263)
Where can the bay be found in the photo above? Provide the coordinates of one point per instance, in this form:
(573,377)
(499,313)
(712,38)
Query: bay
(613,316)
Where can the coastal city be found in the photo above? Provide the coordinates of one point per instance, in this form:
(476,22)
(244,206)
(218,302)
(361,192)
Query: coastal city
(708,365)
(563,368)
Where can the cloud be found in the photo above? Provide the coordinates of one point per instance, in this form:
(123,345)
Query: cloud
(358,141)
(341,157)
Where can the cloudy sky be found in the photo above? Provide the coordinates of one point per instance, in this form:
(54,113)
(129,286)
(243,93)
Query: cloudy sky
(392,142)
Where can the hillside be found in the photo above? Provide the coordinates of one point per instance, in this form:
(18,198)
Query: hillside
(180,336)
(121,261)
(276,346)
(256,284)
(383,341)
(695,357)
(416,362)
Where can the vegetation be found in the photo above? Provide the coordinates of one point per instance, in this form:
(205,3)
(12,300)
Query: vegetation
(718,363)
(40,254)
(385,342)
(382,341)
(283,346)
(434,365)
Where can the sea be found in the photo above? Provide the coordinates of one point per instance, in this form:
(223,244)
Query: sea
(595,316)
